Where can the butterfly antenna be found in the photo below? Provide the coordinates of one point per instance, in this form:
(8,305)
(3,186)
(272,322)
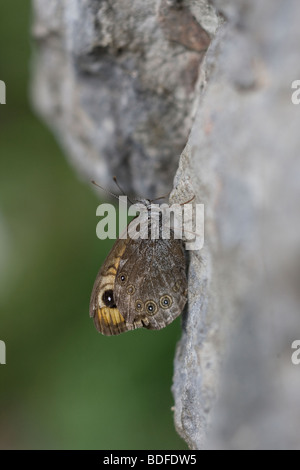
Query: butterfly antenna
(161,197)
(119,187)
(105,190)
(186,202)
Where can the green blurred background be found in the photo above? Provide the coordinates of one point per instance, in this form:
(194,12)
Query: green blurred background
(64,386)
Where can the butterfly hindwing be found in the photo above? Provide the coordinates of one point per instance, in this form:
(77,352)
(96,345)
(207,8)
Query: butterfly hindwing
(151,284)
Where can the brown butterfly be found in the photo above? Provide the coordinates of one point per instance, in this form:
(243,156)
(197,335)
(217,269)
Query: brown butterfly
(142,284)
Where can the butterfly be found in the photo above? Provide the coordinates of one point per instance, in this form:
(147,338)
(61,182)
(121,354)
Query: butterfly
(142,284)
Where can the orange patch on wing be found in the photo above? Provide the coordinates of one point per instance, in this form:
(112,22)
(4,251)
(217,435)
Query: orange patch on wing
(111,316)
(111,322)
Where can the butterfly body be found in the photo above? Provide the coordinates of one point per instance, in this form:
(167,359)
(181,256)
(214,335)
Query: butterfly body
(142,283)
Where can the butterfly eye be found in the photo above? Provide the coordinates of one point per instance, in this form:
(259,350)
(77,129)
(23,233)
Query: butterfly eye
(138,305)
(165,301)
(122,278)
(151,307)
(108,299)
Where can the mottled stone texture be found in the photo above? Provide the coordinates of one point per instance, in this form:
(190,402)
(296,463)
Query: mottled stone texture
(120,82)
(117,82)
(242,161)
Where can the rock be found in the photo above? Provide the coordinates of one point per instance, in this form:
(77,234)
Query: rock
(118,85)
(234,380)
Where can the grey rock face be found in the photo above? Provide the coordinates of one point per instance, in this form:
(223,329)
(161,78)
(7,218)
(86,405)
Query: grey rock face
(117,82)
(233,369)
(122,85)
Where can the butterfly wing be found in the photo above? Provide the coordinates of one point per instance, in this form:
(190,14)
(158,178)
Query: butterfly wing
(151,286)
(107,318)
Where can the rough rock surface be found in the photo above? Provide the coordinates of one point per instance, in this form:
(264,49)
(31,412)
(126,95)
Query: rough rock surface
(242,161)
(117,82)
(120,86)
